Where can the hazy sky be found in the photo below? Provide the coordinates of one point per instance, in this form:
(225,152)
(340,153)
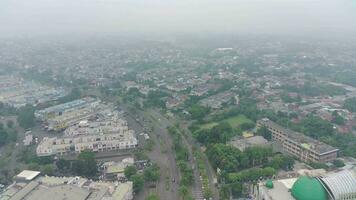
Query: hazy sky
(28,17)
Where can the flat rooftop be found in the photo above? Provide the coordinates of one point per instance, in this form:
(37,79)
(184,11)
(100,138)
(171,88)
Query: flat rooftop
(280,190)
(28,175)
(303,140)
(60,192)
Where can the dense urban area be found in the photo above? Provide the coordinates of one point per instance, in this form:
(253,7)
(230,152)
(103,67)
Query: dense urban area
(248,117)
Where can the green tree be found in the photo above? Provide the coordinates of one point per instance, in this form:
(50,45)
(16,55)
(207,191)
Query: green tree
(152,197)
(151,173)
(198,112)
(350,104)
(183,191)
(26,117)
(337,119)
(3,137)
(264,132)
(10,123)
(130,171)
(47,169)
(138,182)
(63,164)
(338,163)
(86,165)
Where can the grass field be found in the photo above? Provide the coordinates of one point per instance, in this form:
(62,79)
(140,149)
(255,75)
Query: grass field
(234,122)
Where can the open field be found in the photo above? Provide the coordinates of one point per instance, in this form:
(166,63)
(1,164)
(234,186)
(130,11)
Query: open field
(234,122)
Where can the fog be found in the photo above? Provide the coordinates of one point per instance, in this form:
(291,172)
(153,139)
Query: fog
(296,17)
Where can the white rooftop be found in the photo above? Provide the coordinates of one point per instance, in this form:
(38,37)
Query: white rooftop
(28,175)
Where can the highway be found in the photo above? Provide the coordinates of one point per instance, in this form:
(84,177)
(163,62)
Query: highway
(161,154)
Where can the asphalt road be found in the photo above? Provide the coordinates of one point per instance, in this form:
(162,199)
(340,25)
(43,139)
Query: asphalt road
(161,154)
(197,190)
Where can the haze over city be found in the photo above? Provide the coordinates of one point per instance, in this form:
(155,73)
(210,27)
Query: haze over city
(295,17)
(178,99)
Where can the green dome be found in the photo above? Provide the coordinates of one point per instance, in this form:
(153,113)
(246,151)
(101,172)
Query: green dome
(269,184)
(307,188)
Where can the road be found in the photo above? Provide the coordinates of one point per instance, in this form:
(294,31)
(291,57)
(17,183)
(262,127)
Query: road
(189,143)
(161,154)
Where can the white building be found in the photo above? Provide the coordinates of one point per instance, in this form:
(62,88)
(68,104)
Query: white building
(95,143)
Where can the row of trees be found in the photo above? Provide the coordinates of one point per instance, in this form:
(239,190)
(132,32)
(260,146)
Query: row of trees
(350,104)
(231,159)
(150,175)
(85,165)
(8,133)
(182,157)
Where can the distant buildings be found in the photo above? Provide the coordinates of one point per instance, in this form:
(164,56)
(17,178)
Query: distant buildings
(16,92)
(299,145)
(216,101)
(30,185)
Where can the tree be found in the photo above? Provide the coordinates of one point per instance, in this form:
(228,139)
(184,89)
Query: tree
(138,182)
(10,123)
(236,189)
(63,164)
(350,104)
(47,169)
(3,137)
(26,116)
(86,165)
(129,171)
(264,132)
(151,173)
(224,192)
(74,94)
(183,191)
(152,197)
(198,112)
(280,161)
(316,127)
(338,163)
(337,119)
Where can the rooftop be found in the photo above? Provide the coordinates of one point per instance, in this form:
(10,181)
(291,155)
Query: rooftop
(28,175)
(303,140)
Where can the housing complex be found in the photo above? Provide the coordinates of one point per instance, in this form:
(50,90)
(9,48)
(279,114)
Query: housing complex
(303,147)
(102,130)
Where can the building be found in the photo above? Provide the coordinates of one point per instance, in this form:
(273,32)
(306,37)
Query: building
(60,109)
(217,101)
(244,143)
(333,186)
(299,145)
(69,188)
(115,170)
(95,143)
(340,185)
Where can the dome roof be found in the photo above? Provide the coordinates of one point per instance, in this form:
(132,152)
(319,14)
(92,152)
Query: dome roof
(269,184)
(307,188)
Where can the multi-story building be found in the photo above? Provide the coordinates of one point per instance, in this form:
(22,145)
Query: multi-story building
(95,143)
(30,185)
(303,147)
(60,109)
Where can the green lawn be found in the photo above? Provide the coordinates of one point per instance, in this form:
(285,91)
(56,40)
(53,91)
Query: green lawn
(235,122)
(208,125)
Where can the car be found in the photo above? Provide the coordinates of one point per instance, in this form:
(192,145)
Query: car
(173,180)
